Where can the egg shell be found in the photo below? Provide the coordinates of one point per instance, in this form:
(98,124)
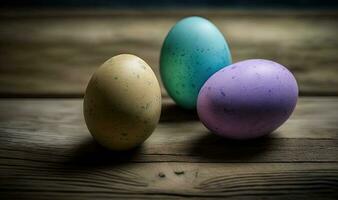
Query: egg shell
(122,103)
(247,99)
(193,50)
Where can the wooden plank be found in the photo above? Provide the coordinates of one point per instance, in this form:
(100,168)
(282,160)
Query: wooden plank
(54,131)
(46,152)
(21,180)
(47,53)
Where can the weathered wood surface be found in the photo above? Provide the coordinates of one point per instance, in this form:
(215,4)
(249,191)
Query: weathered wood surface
(45,53)
(27,180)
(46,152)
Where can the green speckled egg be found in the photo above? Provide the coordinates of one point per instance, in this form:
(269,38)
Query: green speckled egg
(193,50)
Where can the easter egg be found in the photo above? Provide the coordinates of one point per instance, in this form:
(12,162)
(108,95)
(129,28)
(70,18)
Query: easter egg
(193,50)
(122,103)
(247,99)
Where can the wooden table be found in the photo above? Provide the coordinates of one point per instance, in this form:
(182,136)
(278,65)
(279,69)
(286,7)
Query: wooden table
(46,151)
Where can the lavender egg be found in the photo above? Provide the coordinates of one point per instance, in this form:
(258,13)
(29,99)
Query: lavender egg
(247,99)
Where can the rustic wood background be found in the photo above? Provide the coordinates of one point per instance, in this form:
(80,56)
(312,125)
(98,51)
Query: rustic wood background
(53,53)
(46,151)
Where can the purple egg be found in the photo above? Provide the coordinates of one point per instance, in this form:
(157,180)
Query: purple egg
(247,99)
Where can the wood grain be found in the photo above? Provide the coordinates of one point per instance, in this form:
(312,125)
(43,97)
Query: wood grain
(46,152)
(54,131)
(52,54)
(21,180)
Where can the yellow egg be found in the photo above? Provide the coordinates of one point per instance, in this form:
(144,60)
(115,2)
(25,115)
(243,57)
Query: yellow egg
(122,103)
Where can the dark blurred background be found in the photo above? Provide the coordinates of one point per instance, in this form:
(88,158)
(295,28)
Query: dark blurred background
(173,3)
(51,48)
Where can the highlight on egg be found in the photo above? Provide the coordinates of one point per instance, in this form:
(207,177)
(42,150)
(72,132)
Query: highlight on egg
(247,99)
(122,102)
(193,50)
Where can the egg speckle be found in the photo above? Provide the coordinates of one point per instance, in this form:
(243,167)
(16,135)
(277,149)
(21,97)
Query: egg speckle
(248,99)
(193,50)
(121,108)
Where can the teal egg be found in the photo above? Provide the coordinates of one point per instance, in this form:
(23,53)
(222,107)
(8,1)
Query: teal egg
(193,50)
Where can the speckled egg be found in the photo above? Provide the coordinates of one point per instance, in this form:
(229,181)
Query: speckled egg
(122,103)
(193,50)
(247,99)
